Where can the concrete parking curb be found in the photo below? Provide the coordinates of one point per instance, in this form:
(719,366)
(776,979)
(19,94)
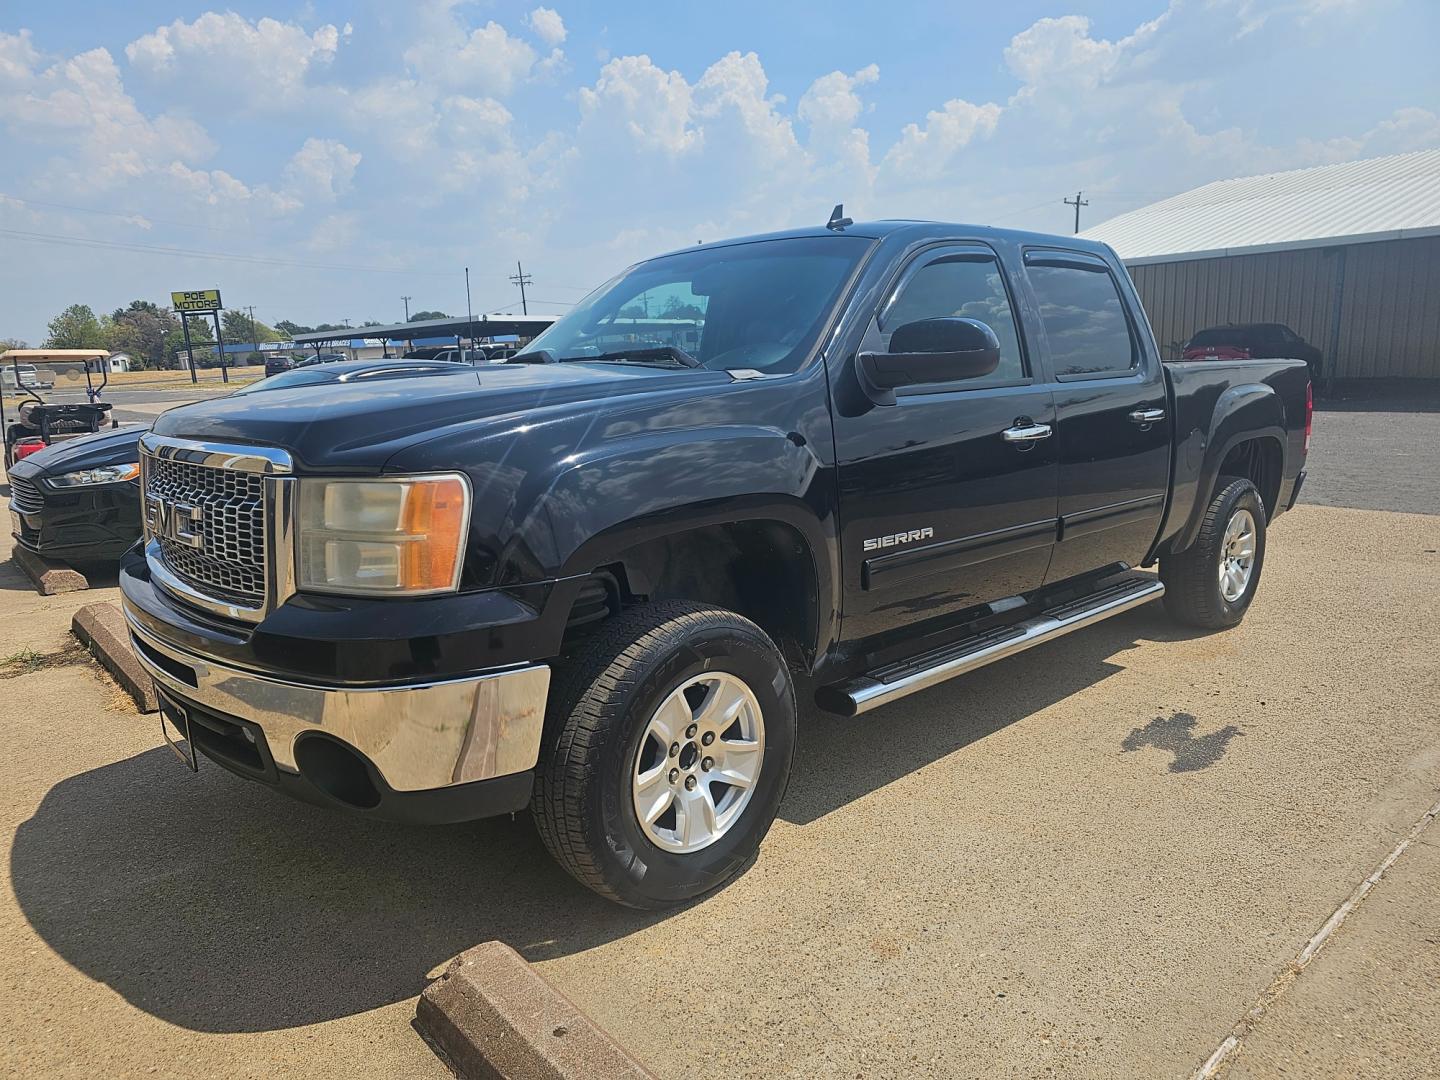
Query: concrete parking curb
(101,628)
(491,1015)
(49,578)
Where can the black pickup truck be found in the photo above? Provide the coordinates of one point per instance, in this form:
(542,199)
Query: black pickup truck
(848,463)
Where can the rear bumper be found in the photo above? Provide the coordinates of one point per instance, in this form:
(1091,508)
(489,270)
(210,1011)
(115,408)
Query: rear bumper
(444,750)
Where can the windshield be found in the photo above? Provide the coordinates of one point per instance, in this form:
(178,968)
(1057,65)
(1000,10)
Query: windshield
(296,377)
(758,305)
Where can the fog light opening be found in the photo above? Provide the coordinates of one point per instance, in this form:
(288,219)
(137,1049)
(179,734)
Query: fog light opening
(338,771)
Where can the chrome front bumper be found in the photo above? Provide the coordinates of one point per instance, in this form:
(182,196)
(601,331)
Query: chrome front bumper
(419,737)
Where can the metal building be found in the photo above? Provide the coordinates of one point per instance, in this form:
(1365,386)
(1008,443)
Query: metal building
(1348,256)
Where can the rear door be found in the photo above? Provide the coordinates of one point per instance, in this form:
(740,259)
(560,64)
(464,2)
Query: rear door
(1113,427)
(941,511)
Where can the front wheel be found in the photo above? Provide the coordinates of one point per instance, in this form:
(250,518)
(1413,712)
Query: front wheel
(1212,582)
(667,750)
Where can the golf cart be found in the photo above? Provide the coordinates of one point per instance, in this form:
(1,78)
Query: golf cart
(37,423)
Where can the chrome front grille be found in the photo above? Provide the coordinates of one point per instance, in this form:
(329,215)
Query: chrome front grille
(27,497)
(225,512)
(209,512)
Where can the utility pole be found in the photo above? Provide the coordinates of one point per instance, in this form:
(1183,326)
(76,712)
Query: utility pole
(407,307)
(521,278)
(254,337)
(1077,202)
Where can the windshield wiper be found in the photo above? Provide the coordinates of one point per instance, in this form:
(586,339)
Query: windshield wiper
(677,357)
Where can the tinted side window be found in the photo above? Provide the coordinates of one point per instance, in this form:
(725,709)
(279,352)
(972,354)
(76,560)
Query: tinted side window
(1084,320)
(966,286)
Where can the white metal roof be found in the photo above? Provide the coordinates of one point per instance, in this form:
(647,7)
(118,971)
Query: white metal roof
(1386,198)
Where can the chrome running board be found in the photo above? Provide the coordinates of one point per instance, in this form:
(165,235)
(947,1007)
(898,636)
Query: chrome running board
(898,680)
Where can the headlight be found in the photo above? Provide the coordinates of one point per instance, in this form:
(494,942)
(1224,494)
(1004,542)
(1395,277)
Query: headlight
(105,474)
(382,536)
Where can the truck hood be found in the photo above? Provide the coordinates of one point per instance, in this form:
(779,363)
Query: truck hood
(361,425)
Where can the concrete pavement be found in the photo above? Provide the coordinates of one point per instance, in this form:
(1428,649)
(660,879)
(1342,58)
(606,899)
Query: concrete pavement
(1086,860)
(1367,1008)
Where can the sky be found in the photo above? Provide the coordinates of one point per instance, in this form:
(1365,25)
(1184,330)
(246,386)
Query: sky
(319,161)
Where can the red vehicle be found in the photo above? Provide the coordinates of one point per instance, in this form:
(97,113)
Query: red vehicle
(1253,341)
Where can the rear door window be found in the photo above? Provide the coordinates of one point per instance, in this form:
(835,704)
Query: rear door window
(1083,315)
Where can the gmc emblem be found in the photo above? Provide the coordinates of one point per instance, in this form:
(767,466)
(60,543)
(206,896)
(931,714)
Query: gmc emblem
(179,522)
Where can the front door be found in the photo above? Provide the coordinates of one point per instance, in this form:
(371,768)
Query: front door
(1113,433)
(941,511)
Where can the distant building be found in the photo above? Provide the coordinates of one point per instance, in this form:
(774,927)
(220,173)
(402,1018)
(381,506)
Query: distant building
(1348,256)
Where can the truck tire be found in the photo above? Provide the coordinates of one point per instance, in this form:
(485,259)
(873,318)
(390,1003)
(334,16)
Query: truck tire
(1211,583)
(667,748)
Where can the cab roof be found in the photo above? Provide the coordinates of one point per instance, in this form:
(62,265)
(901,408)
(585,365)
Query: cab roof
(907,230)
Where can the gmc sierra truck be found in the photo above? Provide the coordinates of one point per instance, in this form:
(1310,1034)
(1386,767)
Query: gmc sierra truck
(846,462)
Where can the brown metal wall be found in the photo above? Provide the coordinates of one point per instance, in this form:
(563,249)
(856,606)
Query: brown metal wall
(1390,312)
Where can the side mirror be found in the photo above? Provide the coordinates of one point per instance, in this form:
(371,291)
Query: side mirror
(933,350)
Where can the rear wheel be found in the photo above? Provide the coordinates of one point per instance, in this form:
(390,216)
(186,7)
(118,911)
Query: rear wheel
(667,751)
(1212,582)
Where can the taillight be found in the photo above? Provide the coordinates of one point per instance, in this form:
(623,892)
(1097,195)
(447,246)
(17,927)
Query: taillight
(1309,413)
(25,447)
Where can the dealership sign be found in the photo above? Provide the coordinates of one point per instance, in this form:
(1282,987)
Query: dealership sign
(198,300)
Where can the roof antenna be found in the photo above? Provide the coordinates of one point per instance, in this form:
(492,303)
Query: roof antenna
(838,220)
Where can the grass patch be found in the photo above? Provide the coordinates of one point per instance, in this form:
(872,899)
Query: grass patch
(28,661)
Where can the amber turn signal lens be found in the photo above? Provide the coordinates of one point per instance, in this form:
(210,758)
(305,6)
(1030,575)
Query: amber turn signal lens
(434,516)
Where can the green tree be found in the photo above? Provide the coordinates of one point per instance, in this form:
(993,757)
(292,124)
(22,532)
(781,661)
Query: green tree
(239,328)
(421,316)
(144,331)
(290,329)
(675,308)
(76,328)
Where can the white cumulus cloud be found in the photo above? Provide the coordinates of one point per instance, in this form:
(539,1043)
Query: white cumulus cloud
(549,27)
(265,63)
(321,169)
(487,60)
(927,152)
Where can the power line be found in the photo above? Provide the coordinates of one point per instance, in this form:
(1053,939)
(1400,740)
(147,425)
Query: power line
(1016,213)
(1077,203)
(223,256)
(130,216)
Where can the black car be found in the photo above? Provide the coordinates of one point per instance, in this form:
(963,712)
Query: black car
(275,364)
(79,500)
(322,358)
(1253,341)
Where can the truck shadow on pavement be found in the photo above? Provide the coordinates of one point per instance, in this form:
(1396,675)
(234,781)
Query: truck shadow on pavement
(222,906)
(839,760)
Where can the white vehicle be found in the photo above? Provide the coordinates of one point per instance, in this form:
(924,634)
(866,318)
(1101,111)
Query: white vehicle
(20,376)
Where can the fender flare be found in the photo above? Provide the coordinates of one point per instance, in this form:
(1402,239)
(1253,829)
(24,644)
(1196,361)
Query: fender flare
(1243,413)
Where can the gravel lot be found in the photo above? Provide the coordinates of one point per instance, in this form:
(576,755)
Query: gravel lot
(1090,860)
